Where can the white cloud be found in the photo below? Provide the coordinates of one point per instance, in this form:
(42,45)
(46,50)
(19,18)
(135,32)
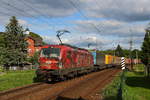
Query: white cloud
(22,22)
(127,10)
(113,19)
(112,27)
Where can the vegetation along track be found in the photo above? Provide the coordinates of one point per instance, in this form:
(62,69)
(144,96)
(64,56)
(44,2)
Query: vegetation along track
(85,87)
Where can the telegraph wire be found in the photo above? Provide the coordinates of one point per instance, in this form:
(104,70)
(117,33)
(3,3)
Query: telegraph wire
(22,12)
(85,17)
(37,11)
(2,13)
(43,15)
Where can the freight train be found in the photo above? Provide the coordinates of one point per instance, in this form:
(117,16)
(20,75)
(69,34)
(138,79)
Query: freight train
(102,61)
(58,62)
(63,61)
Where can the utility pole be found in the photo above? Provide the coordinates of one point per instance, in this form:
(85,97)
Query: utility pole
(114,53)
(131,45)
(114,49)
(96,44)
(137,58)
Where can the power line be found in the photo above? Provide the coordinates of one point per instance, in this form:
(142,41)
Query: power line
(37,11)
(75,6)
(42,14)
(22,12)
(2,13)
(131,46)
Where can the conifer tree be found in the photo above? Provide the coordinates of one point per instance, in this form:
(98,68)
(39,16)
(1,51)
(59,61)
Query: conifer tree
(119,52)
(15,43)
(145,53)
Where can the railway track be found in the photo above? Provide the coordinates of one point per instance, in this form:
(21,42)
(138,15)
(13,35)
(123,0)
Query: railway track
(84,89)
(66,90)
(21,91)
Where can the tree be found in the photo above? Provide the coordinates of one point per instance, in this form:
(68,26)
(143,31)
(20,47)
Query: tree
(126,53)
(2,41)
(145,53)
(15,44)
(135,53)
(119,52)
(34,59)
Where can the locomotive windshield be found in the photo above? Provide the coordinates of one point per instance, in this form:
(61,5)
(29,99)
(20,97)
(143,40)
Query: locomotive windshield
(50,52)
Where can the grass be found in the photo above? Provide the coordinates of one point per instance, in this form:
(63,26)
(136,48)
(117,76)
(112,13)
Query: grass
(139,68)
(1,68)
(137,85)
(12,79)
(110,91)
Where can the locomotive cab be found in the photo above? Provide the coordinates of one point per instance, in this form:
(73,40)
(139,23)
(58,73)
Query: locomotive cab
(50,58)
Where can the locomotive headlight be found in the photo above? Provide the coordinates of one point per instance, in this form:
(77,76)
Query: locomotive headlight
(48,62)
(60,65)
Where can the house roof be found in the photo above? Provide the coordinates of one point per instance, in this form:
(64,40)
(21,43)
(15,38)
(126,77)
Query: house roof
(38,42)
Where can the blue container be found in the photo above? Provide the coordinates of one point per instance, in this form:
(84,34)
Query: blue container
(94,57)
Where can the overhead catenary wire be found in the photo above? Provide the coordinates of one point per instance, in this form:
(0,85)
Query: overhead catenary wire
(101,5)
(84,16)
(22,12)
(44,15)
(3,13)
(27,4)
(16,10)
(37,11)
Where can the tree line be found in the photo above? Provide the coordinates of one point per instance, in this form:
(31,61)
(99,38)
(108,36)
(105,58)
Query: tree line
(120,52)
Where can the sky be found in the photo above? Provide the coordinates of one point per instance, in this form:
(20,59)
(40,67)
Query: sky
(102,23)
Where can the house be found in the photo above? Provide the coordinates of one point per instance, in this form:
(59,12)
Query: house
(34,45)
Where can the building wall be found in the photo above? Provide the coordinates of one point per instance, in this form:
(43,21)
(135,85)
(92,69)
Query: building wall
(31,48)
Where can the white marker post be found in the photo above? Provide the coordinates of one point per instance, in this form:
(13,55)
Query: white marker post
(123,63)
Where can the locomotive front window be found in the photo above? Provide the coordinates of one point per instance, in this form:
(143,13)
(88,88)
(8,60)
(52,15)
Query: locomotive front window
(50,52)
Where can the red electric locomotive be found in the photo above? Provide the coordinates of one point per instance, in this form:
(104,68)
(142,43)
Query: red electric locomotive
(62,61)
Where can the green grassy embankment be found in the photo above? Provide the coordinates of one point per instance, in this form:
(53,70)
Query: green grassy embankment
(12,79)
(137,85)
